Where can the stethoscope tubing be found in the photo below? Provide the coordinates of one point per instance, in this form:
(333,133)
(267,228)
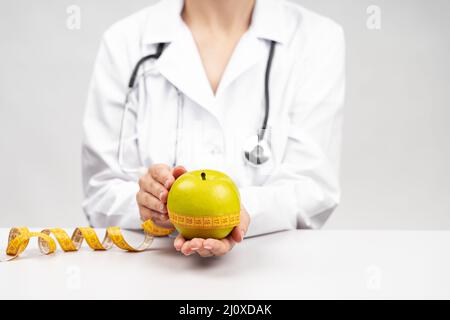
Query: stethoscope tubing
(132,85)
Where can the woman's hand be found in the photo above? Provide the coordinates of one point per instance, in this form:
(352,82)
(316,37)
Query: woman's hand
(213,247)
(153,191)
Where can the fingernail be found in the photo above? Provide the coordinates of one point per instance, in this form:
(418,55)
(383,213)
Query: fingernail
(167,184)
(161,207)
(195,249)
(161,195)
(242,234)
(207,247)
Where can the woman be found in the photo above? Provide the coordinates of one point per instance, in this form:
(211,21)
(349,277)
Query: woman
(215,60)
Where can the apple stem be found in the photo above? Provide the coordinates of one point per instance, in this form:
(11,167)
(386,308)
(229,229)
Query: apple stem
(203,176)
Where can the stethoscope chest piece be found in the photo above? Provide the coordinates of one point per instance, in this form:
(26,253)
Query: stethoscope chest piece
(257,151)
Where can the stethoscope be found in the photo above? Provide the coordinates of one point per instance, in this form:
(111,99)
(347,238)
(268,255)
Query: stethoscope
(257,150)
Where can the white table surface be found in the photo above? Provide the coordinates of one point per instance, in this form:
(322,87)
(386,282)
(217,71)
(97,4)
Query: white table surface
(286,265)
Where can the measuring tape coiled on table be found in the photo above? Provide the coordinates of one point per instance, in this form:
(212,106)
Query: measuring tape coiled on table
(19,238)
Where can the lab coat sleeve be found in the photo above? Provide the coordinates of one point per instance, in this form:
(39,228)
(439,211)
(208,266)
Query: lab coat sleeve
(304,190)
(109,194)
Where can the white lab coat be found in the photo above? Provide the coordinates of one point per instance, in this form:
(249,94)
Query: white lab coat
(298,189)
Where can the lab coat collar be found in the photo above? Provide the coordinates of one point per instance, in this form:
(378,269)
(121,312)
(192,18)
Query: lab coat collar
(164,20)
(269,21)
(181,65)
(180,62)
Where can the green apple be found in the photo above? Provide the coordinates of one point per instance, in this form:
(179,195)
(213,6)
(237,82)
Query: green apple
(204,204)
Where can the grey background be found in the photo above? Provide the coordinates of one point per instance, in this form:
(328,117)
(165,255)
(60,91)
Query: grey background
(396,151)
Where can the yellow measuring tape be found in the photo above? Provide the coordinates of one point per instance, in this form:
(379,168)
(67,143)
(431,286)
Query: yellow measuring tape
(19,238)
(226,221)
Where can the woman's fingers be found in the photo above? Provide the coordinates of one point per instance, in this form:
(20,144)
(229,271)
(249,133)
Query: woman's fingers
(239,231)
(157,182)
(204,248)
(202,252)
(191,246)
(196,244)
(179,241)
(186,248)
(160,179)
(218,247)
(162,174)
(145,213)
(178,171)
(153,192)
(159,218)
(149,201)
(150,185)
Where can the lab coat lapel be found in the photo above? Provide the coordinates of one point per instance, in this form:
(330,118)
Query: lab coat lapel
(248,53)
(181,65)
(268,23)
(180,62)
